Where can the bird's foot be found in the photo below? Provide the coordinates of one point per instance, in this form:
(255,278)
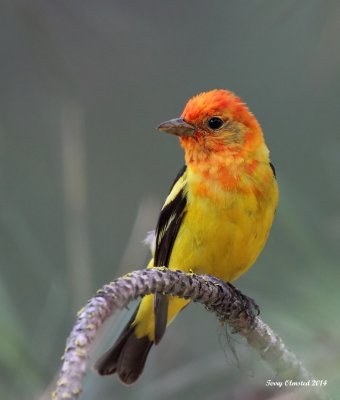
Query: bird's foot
(244,308)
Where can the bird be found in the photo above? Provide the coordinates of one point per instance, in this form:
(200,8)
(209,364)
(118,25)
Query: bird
(215,220)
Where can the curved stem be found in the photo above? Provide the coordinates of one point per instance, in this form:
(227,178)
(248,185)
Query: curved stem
(228,303)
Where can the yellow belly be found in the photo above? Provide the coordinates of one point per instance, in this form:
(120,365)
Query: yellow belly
(223,242)
(221,239)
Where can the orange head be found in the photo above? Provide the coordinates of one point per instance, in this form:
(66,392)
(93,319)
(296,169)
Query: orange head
(217,122)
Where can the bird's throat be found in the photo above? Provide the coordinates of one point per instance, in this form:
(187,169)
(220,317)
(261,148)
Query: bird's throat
(217,173)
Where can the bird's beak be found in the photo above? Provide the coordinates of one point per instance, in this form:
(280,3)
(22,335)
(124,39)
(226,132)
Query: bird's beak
(178,127)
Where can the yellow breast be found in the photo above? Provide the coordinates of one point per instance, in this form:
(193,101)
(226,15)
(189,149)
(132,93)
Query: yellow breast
(224,231)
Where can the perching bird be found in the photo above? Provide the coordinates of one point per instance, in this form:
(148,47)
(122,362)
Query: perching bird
(215,220)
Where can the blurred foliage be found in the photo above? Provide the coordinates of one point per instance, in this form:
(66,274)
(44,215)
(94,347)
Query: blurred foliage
(83,174)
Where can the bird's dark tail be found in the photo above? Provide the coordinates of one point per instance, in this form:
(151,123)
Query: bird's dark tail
(127,356)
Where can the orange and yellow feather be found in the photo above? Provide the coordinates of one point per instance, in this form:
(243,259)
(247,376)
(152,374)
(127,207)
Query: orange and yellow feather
(232,196)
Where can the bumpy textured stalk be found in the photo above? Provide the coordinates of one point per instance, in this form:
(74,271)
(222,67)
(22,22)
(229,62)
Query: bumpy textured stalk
(228,303)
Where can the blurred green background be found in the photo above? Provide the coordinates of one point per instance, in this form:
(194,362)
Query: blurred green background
(83,174)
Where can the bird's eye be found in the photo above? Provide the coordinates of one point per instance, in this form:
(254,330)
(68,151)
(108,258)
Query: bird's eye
(215,123)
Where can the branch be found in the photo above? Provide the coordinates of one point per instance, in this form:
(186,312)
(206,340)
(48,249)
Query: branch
(228,303)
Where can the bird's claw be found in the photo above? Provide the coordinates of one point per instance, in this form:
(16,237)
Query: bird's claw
(245,308)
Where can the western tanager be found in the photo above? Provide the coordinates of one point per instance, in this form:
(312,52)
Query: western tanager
(215,220)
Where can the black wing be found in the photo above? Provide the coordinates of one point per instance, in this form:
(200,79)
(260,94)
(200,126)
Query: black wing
(128,354)
(273,169)
(168,225)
